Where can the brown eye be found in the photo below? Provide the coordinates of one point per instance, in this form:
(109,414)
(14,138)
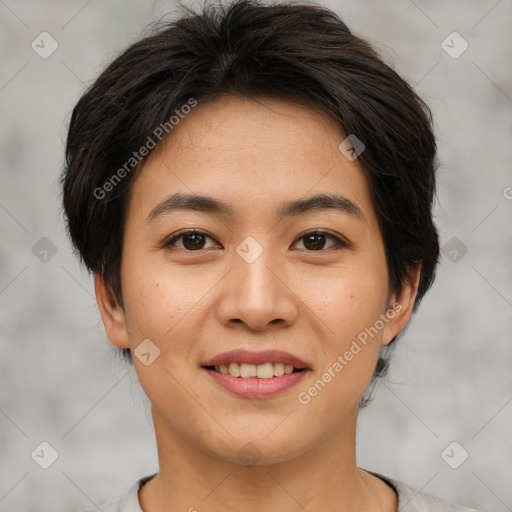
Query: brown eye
(192,240)
(316,241)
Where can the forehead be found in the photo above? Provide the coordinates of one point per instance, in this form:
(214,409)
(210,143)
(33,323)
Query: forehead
(251,153)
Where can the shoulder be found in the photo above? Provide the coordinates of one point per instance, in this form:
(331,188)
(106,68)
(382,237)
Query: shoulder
(109,506)
(411,499)
(127,502)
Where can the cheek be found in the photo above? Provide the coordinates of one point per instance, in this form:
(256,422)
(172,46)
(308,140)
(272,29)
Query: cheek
(348,300)
(160,309)
(157,299)
(351,308)
(167,306)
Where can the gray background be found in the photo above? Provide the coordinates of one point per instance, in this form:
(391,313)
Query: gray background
(451,380)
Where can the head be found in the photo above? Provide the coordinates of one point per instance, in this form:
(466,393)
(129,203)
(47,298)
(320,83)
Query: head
(306,167)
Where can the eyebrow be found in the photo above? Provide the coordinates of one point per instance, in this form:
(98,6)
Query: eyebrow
(207,204)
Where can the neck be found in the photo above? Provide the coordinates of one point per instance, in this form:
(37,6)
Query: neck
(324,477)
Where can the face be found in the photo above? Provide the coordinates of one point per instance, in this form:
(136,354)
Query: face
(267,268)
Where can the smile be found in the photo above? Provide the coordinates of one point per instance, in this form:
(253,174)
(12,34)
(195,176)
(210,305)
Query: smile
(260,371)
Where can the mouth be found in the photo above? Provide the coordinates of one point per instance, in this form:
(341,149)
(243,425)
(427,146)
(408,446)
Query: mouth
(249,364)
(251,371)
(256,374)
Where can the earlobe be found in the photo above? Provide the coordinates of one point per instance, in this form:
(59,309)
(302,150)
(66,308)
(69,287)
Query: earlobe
(401,306)
(112,313)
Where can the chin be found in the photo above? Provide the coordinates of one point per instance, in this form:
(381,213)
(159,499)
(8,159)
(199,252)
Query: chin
(257,450)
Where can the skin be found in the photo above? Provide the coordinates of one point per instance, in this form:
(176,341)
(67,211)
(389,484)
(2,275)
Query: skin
(194,305)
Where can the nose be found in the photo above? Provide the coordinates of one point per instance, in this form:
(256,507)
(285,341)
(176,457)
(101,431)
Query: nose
(257,295)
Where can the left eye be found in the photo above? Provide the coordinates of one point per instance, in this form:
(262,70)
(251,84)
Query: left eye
(316,240)
(193,240)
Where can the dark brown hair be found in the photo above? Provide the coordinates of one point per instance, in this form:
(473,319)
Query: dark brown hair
(299,52)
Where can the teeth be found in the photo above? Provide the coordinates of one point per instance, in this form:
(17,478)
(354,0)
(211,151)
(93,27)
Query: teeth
(279,369)
(234,369)
(265,371)
(247,370)
(261,371)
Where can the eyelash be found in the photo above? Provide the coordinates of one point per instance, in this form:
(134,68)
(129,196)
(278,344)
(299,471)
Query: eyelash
(339,243)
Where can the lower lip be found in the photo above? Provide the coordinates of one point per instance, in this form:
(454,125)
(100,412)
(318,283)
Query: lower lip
(254,387)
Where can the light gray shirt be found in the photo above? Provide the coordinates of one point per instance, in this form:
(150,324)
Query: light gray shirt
(409,499)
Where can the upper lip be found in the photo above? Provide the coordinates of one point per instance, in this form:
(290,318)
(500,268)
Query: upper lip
(250,357)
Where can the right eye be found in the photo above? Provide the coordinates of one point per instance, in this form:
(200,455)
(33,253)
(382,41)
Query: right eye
(192,240)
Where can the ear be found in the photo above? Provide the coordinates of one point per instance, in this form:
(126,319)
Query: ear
(111,313)
(400,307)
